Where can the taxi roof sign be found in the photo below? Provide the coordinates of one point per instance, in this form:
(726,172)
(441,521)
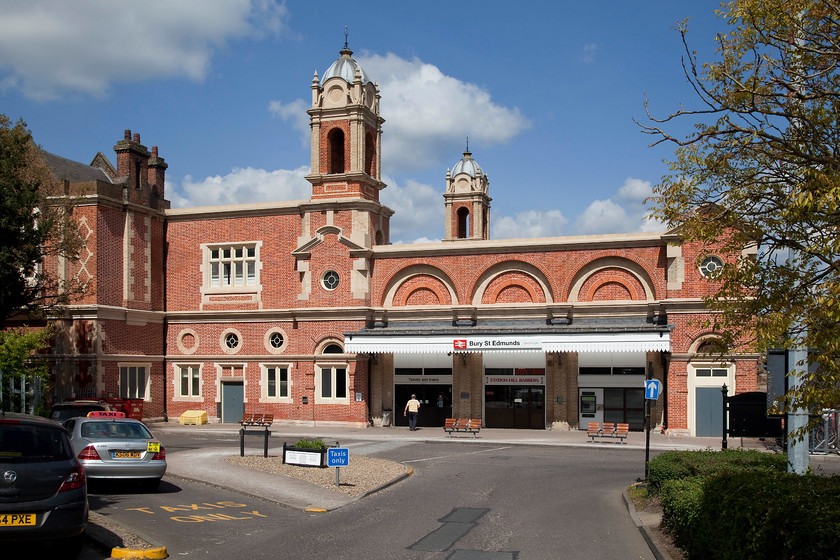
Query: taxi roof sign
(106,414)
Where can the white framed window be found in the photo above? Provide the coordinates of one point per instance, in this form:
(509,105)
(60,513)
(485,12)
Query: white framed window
(230,341)
(711,266)
(330,280)
(275,340)
(189,380)
(232,266)
(134,381)
(276,383)
(332,383)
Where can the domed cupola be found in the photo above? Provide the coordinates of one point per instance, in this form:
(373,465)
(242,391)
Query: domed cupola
(467,165)
(345,68)
(467,200)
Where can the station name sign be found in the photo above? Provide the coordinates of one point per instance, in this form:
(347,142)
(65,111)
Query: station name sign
(495,343)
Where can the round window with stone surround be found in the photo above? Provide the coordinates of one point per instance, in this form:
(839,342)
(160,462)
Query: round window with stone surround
(330,280)
(230,341)
(187,341)
(275,340)
(711,266)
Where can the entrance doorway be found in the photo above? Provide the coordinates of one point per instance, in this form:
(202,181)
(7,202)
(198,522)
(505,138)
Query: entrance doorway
(708,412)
(233,401)
(514,406)
(435,404)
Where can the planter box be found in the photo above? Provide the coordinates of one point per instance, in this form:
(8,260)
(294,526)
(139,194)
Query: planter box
(304,456)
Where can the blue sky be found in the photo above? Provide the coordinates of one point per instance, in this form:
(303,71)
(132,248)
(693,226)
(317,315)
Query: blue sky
(545,91)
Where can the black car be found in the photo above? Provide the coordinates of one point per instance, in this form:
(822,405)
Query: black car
(73,409)
(43,488)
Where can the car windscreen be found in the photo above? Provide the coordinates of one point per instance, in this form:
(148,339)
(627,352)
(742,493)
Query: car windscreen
(110,429)
(22,443)
(60,414)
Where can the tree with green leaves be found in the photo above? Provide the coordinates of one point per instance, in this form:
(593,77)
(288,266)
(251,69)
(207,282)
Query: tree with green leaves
(760,168)
(36,227)
(23,375)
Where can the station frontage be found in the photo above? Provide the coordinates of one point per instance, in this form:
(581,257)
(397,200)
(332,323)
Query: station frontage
(558,379)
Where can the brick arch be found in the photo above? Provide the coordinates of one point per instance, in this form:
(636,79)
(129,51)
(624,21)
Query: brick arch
(610,284)
(513,287)
(610,275)
(432,287)
(422,289)
(512,282)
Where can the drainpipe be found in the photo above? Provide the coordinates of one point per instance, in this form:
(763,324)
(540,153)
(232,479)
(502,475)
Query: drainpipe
(165,322)
(665,390)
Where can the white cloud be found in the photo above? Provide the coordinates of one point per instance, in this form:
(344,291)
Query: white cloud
(419,211)
(589,52)
(242,186)
(625,212)
(294,113)
(52,47)
(430,114)
(531,223)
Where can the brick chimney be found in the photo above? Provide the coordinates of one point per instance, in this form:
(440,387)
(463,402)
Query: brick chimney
(157,172)
(132,159)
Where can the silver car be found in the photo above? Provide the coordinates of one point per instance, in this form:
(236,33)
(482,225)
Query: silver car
(110,446)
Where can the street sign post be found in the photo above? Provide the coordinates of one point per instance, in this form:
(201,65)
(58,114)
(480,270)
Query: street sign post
(338,457)
(652,389)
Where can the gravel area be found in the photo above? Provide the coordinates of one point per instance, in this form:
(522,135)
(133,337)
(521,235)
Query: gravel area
(362,475)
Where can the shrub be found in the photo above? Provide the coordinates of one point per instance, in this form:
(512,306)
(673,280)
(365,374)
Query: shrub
(310,443)
(681,499)
(765,515)
(675,465)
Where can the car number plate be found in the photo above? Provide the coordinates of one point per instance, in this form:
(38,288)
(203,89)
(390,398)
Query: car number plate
(16,519)
(127,454)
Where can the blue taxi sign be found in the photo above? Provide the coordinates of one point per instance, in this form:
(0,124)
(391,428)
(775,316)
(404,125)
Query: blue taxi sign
(338,457)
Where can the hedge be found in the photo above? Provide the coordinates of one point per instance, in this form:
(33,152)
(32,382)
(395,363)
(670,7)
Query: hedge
(676,465)
(764,515)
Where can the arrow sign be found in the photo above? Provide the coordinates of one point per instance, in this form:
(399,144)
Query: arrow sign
(652,389)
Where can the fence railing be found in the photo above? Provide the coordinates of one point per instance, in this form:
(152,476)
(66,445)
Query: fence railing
(823,437)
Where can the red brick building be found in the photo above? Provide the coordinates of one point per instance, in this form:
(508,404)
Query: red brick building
(304,308)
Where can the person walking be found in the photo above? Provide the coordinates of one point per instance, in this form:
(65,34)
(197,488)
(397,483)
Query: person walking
(411,409)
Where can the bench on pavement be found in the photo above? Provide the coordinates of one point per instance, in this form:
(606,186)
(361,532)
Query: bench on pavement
(258,421)
(462,425)
(608,430)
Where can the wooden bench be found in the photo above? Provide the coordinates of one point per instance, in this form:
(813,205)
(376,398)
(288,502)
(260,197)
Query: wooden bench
(608,430)
(462,425)
(255,420)
(258,419)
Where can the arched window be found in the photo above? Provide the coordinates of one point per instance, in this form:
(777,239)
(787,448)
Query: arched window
(332,349)
(336,140)
(463,223)
(370,155)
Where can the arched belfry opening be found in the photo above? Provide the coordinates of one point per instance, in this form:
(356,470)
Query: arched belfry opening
(467,201)
(336,141)
(463,223)
(370,155)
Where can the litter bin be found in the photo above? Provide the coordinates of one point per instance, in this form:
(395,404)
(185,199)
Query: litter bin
(386,418)
(134,408)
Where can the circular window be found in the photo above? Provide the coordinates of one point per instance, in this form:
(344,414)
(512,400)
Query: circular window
(711,266)
(231,340)
(276,340)
(187,341)
(330,280)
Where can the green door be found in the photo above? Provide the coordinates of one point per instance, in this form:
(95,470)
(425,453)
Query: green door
(233,401)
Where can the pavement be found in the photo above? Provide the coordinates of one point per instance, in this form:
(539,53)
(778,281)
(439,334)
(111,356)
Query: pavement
(208,465)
